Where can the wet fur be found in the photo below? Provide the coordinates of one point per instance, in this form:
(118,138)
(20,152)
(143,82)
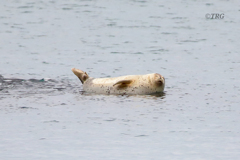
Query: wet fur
(132,84)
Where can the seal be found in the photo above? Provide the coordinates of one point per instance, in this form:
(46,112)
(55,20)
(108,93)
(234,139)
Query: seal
(130,85)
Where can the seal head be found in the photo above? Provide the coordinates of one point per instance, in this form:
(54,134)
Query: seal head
(159,81)
(83,76)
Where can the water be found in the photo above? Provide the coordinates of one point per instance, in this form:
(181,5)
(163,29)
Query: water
(44,114)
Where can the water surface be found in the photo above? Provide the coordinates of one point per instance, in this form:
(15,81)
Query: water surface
(45,115)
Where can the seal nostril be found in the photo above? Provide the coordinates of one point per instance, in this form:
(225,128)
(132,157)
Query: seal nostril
(159,82)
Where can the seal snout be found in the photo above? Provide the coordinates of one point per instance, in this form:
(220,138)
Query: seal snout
(160,82)
(159,79)
(162,78)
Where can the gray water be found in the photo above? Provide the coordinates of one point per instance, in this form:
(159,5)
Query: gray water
(45,115)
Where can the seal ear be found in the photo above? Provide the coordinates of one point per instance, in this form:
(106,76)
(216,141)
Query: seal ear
(123,83)
(83,76)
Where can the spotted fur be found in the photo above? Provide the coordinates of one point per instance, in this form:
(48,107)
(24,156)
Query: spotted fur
(131,84)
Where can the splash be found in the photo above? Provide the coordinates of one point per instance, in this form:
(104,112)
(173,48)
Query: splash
(24,87)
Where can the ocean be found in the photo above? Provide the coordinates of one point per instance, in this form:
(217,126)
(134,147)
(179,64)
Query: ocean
(45,115)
